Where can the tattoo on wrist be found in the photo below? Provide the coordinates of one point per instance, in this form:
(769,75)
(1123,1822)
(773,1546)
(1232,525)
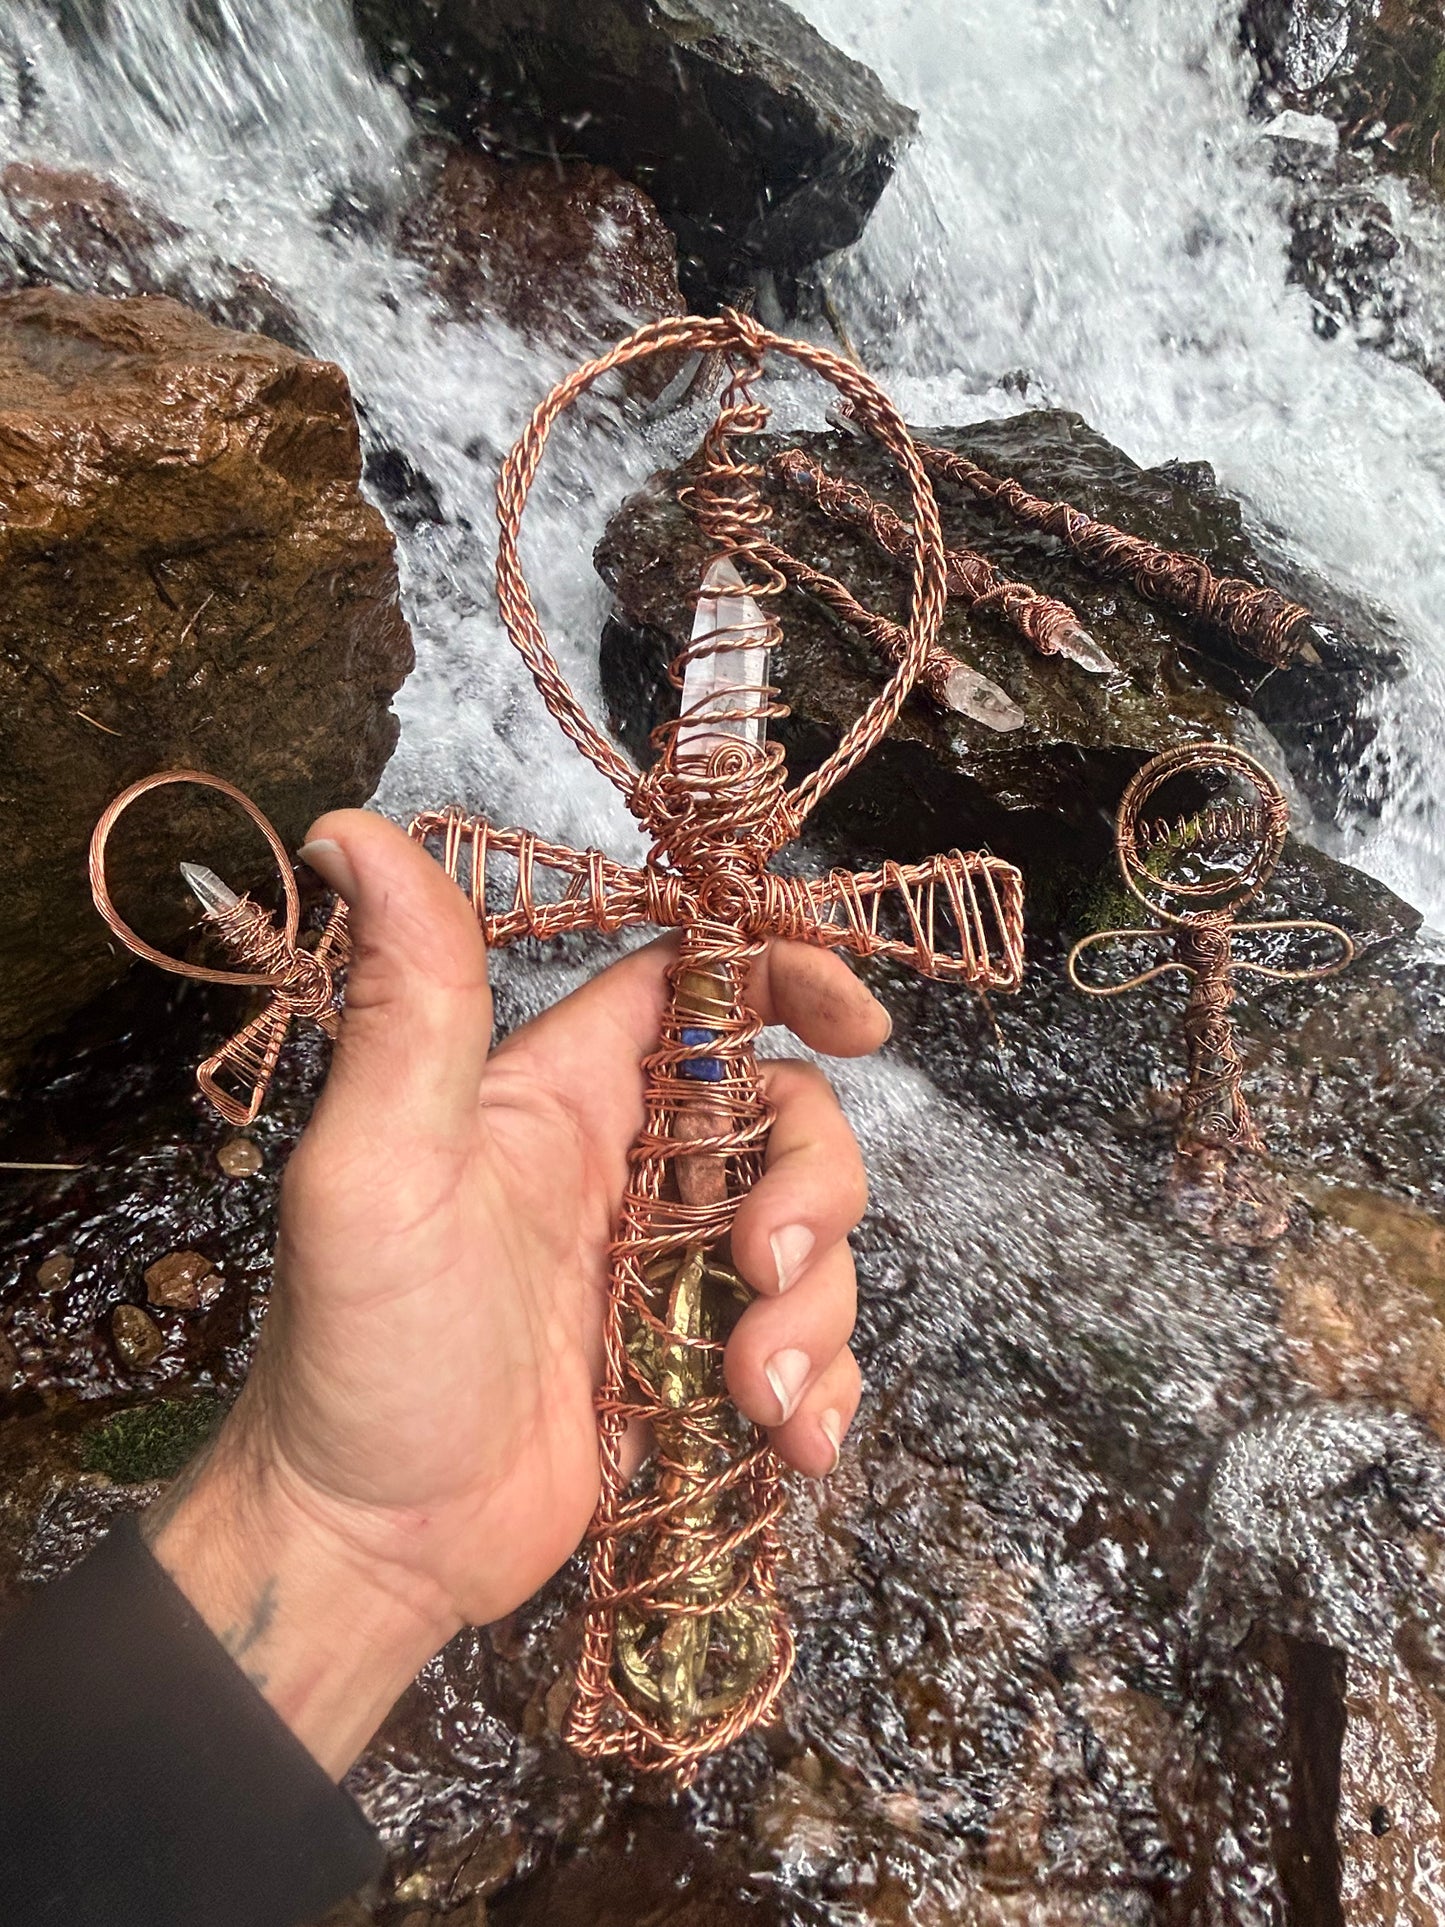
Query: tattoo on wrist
(239,1640)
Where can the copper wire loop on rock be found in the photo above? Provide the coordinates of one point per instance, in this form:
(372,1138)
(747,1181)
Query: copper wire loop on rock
(1262,621)
(973,580)
(303,983)
(1242,842)
(685,1645)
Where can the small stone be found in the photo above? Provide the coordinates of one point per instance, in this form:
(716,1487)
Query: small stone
(240,1157)
(184,1281)
(137,1336)
(9,1364)
(56,1272)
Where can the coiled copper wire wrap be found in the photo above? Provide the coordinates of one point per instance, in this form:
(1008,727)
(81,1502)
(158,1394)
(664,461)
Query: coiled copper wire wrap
(683,1574)
(973,580)
(963,913)
(1237,845)
(884,634)
(268,956)
(1262,621)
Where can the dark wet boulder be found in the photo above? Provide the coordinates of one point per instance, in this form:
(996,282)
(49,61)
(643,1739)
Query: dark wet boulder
(1377,71)
(941,779)
(1352,91)
(191,579)
(67,229)
(570,254)
(764,147)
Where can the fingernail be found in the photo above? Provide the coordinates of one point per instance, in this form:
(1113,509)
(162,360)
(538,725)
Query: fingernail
(787,1373)
(792,1247)
(331,864)
(830,1424)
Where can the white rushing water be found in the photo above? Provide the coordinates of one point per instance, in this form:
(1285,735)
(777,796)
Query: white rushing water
(1088,202)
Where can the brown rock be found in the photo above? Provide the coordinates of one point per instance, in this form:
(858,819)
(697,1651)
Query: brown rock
(68,229)
(573,255)
(1392,1800)
(1365,1314)
(240,1157)
(138,1338)
(191,578)
(9,1363)
(183,1281)
(56,1272)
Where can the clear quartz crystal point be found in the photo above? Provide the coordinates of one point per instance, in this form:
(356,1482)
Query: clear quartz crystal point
(210,892)
(982,701)
(1080,647)
(722,689)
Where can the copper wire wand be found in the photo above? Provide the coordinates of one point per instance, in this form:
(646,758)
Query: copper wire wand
(1262,621)
(977,584)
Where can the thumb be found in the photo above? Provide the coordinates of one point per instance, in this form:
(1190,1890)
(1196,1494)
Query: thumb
(417,1023)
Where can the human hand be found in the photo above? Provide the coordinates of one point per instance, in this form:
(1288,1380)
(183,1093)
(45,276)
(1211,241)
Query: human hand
(416,1446)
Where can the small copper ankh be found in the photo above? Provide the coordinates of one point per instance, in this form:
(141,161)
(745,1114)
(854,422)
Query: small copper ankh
(303,982)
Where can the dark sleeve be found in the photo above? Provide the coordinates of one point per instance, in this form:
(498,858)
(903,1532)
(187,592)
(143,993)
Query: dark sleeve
(144,1782)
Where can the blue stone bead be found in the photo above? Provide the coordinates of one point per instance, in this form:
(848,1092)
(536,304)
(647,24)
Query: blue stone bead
(706,1070)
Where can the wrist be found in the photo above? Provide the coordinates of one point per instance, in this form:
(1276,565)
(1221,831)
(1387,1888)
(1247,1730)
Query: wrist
(329,1635)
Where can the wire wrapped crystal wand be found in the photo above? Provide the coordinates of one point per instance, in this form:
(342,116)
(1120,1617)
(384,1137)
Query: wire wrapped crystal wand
(685,1645)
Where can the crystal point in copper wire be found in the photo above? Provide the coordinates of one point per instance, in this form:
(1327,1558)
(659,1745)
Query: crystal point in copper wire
(213,893)
(974,696)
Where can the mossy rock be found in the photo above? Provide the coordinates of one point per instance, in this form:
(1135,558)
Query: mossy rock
(153,1441)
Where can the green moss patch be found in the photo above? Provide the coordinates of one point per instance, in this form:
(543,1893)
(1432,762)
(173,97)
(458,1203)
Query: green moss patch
(151,1441)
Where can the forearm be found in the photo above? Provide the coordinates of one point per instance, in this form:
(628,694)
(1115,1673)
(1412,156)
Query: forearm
(330,1636)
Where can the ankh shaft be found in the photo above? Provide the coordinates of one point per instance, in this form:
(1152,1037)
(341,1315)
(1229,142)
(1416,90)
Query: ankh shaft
(684,1645)
(1215,1116)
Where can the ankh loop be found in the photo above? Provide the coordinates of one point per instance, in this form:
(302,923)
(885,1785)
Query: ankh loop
(685,1645)
(302,982)
(1194,872)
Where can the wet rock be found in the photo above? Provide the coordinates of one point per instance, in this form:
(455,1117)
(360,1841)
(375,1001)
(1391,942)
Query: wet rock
(1364,1303)
(138,1338)
(939,779)
(9,1364)
(764,147)
(66,229)
(573,255)
(1391,1800)
(183,1281)
(192,579)
(1377,70)
(56,1271)
(240,1157)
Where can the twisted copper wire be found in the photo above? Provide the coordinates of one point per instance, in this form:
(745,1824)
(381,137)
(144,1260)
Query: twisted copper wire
(963,912)
(885,635)
(302,983)
(726,333)
(1262,621)
(981,587)
(1213,1113)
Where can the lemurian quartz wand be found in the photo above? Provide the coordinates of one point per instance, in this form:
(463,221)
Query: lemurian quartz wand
(685,1644)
